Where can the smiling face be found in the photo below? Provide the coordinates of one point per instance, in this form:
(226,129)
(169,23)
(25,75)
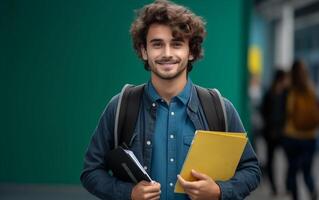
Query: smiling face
(166,56)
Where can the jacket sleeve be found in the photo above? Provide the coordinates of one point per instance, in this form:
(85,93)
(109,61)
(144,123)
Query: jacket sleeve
(247,176)
(95,176)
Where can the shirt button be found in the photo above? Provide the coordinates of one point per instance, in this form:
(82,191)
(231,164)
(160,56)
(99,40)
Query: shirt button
(153,104)
(145,167)
(172,113)
(171,136)
(172,159)
(148,142)
(171,184)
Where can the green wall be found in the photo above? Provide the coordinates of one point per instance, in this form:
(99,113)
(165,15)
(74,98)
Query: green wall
(62,61)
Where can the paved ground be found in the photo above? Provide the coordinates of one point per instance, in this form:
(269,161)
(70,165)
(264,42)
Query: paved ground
(263,192)
(65,192)
(43,192)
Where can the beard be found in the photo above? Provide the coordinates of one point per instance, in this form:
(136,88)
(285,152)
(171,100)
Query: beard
(156,68)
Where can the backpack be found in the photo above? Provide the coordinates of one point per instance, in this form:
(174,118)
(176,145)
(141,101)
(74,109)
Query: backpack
(305,114)
(129,104)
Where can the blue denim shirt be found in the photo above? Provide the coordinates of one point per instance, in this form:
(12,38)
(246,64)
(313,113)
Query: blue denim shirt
(172,137)
(96,179)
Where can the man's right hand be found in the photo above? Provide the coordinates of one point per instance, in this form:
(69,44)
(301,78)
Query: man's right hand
(146,191)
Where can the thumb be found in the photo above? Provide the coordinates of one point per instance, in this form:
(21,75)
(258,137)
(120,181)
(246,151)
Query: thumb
(145,183)
(199,176)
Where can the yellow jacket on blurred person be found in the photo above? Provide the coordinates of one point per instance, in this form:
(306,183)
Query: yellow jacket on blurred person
(302,115)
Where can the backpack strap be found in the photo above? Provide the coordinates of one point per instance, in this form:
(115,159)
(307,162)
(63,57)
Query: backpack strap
(126,114)
(129,103)
(214,108)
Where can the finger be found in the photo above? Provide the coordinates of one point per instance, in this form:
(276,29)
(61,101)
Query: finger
(186,184)
(154,188)
(192,197)
(155,195)
(200,176)
(181,180)
(156,198)
(192,192)
(145,183)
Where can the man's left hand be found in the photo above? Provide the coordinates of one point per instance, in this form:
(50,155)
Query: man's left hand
(202,189)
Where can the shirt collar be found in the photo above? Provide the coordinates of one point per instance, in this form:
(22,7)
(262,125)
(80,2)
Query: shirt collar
(186,93)
(182,96)
(152,92)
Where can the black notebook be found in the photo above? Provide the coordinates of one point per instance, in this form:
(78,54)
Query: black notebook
(125,166)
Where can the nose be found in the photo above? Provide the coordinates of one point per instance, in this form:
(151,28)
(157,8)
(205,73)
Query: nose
(167,51)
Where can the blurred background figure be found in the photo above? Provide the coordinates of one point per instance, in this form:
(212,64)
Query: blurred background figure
(280,32)
(273,113)
(299,140)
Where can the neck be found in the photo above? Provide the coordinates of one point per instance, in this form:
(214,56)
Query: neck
(168,89)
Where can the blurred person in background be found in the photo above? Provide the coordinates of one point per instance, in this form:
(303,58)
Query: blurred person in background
(273,113)
(299,140)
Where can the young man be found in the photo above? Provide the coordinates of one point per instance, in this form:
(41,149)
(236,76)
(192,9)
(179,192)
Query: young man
(167,37)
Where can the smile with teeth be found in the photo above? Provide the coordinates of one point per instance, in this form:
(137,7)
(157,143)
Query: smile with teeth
(167,62)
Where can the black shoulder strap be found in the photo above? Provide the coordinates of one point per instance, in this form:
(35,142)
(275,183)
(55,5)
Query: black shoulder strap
(128,113)
(129,104)
(213,107)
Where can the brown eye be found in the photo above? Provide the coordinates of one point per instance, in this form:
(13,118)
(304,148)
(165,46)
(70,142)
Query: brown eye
(156,44)
(177,45)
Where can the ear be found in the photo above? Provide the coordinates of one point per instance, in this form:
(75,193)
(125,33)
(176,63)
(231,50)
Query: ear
(143,52)
(190,57)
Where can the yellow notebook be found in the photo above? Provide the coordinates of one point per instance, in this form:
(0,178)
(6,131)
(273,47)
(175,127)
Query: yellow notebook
(215,154)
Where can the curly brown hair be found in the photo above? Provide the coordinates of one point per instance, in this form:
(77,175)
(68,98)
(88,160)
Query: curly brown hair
(183,22)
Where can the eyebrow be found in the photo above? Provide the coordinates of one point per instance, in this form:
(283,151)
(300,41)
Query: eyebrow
(179,39)
(156,40)
(174,40)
